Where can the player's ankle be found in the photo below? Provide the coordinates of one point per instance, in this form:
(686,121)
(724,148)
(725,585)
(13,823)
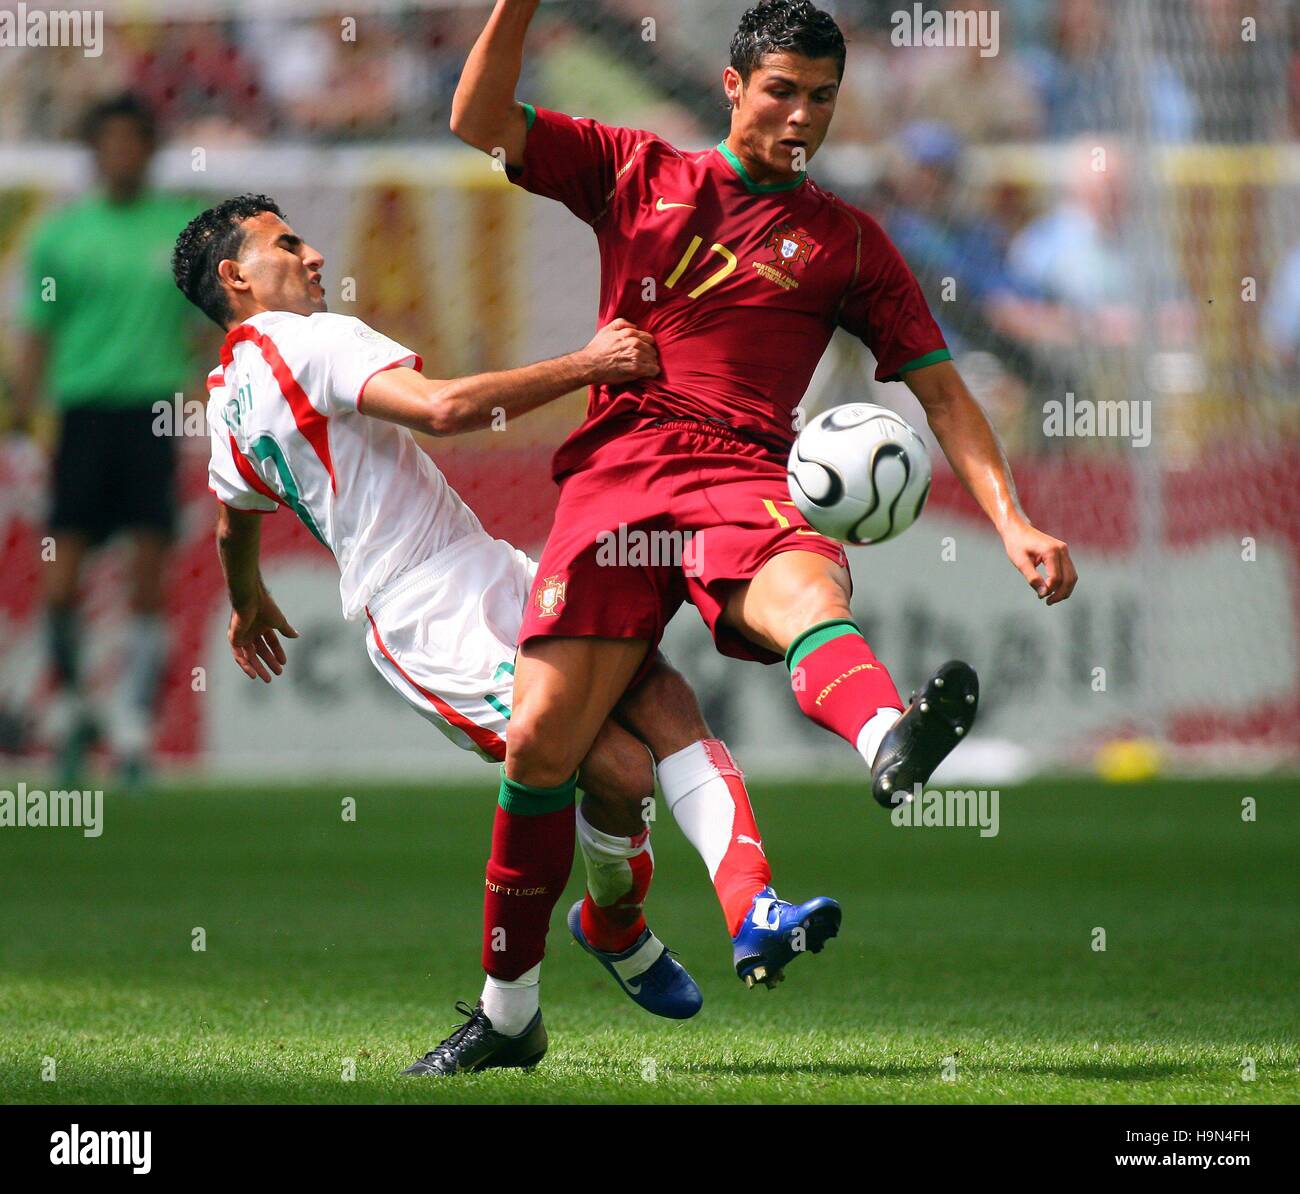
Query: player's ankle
(511,1004)
(611,929)
(873,733)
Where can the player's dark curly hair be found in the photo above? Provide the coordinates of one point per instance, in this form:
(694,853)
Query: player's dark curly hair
(785,26)
(206,242)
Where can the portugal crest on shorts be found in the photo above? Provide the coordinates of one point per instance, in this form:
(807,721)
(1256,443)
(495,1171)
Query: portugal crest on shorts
(550,596)
(790,247)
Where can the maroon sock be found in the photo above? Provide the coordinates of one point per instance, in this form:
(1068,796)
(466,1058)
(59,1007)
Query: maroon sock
(836,679)
(532,854)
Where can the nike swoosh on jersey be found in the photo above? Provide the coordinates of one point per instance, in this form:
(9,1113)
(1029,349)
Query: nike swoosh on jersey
(663,205)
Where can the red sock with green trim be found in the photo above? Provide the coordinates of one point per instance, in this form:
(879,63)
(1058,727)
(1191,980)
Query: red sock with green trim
(532,854)
(837,681)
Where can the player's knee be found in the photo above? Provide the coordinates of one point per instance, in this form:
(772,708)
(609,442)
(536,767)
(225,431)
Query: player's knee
(662,711)
(823,600)
(537,754)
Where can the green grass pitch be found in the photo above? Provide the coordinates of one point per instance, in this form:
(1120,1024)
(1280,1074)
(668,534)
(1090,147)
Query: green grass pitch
(965,971)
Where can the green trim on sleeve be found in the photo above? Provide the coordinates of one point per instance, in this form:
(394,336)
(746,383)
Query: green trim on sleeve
(530,114)
(930,358)
(527,801)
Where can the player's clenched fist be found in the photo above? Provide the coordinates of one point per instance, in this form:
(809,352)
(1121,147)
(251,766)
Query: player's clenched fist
(620,351)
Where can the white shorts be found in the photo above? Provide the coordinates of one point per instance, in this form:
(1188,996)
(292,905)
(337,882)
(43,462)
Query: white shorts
(443,635)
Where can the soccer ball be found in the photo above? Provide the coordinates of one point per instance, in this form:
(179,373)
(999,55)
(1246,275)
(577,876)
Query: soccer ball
(859,473)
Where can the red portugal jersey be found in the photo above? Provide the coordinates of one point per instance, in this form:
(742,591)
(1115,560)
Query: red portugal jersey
(742,285)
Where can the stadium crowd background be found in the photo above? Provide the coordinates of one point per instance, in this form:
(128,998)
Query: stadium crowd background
(1170,276)
(936,142)
(1055,75)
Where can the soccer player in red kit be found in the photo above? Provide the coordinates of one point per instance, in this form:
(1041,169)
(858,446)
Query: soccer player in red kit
(741,266)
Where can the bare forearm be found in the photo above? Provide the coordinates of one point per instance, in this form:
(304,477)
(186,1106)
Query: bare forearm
(976,456)
(468,403)
(971,446)
(239,542)
(30,379)
(618,353)
(485,96)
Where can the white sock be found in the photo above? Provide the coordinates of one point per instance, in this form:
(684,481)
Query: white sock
(872,734)
(606,856)
(511,1005)
(700,800)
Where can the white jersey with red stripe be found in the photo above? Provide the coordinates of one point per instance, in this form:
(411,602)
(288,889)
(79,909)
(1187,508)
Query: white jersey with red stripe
(286,426)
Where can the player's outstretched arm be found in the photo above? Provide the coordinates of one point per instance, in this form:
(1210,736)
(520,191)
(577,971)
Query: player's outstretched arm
(255,619)
(619,352)
(484,112)
(976,456)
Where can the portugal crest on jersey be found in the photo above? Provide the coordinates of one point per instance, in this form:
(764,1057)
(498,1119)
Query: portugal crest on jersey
(550,596)
(790,247)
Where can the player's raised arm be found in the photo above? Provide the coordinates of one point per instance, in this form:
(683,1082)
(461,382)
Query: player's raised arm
(976,456)
(484,112)
(618,352)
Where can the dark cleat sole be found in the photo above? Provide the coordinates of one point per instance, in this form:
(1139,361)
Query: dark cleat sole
(939,717)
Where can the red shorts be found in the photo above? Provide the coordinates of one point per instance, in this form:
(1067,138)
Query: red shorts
(670,512)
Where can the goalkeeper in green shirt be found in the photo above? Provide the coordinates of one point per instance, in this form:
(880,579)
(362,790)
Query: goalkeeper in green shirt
(107,338)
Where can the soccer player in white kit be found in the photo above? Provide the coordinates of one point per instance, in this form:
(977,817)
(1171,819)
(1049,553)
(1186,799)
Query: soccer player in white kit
(314,411)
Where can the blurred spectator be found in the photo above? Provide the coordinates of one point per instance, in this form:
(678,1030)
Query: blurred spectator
(392,75)
(1062,68)
(958,251)
(43,90)
(1092,255)
(1281,315)
(1092,80)
(867,110)
(107,338)
(927,220)
(1240,85)
(191,70)
(983,98)
(577,74)
(295,61)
